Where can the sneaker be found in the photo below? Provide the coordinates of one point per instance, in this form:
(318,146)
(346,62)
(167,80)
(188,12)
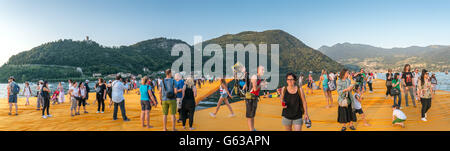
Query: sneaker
(97,112)
(232,115)
(43,116)
(85,112)
(49,115)
(102,112)
(352,128)
(191,128)
(126,120)
(212,114)
(18,114)
(114,119)
(344,128)
(424,119)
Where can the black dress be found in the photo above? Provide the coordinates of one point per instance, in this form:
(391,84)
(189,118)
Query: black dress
(346,114)
(188,106)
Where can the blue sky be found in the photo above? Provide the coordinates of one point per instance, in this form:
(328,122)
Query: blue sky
(25,24)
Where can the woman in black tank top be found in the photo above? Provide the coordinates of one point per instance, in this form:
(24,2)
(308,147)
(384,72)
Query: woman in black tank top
(294,108)
(294,104)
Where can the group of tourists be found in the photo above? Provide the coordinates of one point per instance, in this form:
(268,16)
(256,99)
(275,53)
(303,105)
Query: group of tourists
(418,86)
(177,95)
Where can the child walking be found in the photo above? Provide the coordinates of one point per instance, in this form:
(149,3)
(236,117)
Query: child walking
(357,105)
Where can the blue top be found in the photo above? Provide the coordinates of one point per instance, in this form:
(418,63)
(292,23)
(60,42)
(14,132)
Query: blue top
(144,92)
(179,86)
(325,81)
(169,85)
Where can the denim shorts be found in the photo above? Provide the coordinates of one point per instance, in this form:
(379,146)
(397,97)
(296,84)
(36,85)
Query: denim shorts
(289,122)
(145,105)
(12,99)
(224,95)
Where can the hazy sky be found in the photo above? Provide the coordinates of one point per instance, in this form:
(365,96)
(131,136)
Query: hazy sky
(25,24)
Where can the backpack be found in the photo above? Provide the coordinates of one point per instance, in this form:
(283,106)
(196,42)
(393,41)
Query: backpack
(15,89)
(169,94)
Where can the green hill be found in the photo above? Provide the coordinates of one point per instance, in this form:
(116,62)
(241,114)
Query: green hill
(295,56)
(60,59)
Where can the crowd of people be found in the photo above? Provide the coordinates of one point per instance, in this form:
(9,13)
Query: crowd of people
(177,95)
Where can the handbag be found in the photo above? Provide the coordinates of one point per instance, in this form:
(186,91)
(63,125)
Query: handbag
(345,102)
(395,91)
(250,96)
(388,83)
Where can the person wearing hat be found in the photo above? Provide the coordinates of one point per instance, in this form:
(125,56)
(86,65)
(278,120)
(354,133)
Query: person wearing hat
(13,90)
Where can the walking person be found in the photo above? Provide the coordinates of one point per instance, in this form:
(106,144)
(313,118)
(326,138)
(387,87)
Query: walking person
(310,84)
(188,103)
(38,96)
(109,92)
(118,88)
(61,97)
(74,97)
(324,78)
(396,82)
(415,80)
(425,92)
(389,77)
(434,82)
(88,89)
(224,95)
(346,116)
(294,104)
(408,85)
(370,81)
(168,99)
(27,92)
(146,95)
(82,100)
(13,89)
(357,105)
(252,87)
(101,95)
(45,92)
(179,84)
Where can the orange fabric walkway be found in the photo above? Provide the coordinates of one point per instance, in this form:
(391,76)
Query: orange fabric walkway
(268,116)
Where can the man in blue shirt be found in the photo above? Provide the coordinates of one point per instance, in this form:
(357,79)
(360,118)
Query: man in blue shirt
(179,85)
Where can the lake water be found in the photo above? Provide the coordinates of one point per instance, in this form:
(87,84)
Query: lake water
(442,78)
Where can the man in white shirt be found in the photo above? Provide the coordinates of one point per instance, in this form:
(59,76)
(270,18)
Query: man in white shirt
(118,89)
(74,94)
